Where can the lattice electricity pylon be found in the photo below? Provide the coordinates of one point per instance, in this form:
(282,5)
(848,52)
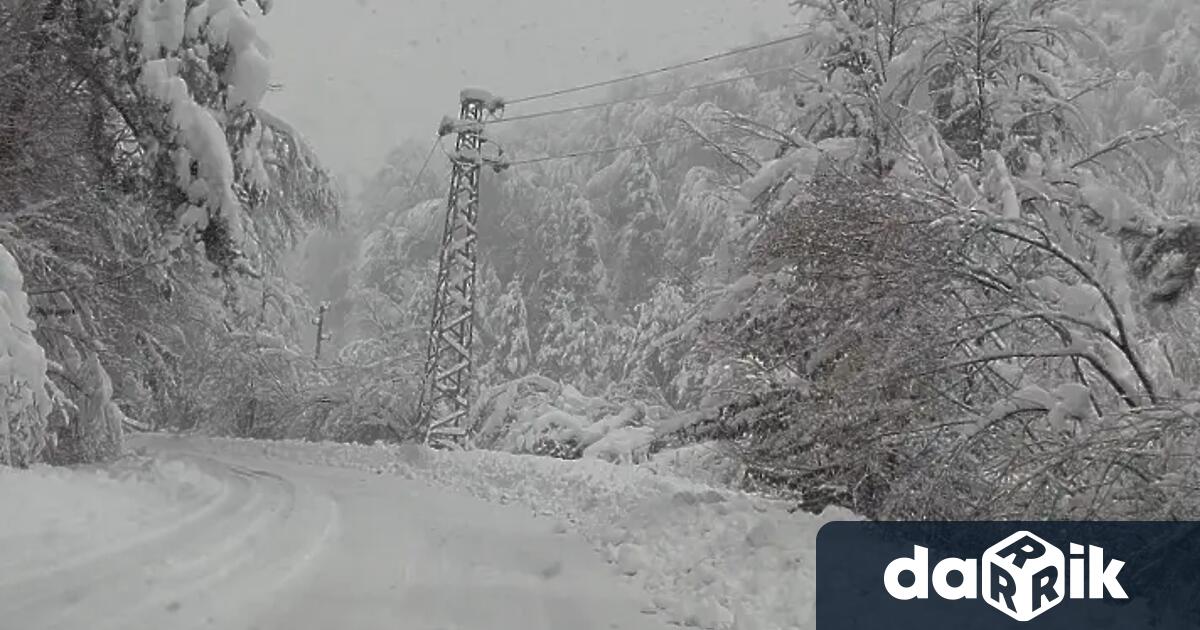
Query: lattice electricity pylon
(444,401)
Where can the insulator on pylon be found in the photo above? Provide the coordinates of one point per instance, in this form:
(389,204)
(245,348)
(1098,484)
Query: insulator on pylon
(490,102)
(458,125)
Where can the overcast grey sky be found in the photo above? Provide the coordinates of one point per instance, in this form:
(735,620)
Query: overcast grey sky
(360,75)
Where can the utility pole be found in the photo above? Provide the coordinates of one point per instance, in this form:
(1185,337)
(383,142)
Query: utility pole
(444,402)
(319,322)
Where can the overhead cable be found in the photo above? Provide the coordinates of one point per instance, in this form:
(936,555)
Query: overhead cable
(647,73)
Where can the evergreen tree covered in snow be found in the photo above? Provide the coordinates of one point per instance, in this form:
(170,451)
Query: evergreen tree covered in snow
(513,351)
(642,241)
(571,340)
(571,238)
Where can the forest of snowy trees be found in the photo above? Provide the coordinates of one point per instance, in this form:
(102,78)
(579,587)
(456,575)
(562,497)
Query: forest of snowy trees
(939,264)
(146,205)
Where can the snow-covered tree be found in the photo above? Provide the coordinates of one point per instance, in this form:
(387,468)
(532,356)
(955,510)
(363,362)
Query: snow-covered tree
(513,351)
(572,341)
(23,383)
(571,240)
(658,347)
(185,80)
(641,242)
(158,148)
(967,264)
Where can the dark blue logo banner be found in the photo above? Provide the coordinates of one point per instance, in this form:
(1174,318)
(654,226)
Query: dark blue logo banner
(1008,576)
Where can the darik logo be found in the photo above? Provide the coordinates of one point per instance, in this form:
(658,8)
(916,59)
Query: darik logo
(1023,576)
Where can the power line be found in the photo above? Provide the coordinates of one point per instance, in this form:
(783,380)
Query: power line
(576,154)
(578,108)
(639,75)
(428,156)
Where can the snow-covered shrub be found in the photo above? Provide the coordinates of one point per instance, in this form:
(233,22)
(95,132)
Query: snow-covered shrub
(24,394)
(536,415)
(624,445)
(977,311)
(249,381)
(364,397)
(514,403)
(955,366)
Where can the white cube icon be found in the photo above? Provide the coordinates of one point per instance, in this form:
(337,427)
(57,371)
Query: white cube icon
(1024,576)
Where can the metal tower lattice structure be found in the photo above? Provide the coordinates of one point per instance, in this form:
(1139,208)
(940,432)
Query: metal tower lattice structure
(444,401)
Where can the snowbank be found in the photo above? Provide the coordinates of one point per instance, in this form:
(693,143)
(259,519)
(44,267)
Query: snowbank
(706,558)
(55,513)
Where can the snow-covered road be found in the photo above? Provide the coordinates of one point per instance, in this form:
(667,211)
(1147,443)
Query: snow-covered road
(283,546)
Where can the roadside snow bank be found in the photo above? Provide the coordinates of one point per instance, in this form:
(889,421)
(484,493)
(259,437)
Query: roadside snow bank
(708,558)
(55,513)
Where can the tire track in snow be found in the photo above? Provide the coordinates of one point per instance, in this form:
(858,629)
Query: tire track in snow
(239,592)
(310,547)
(183,575)
(161,528)
(66,591)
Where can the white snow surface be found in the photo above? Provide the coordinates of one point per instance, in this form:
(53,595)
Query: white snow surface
(52,513)
(706,557)
(249,534)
